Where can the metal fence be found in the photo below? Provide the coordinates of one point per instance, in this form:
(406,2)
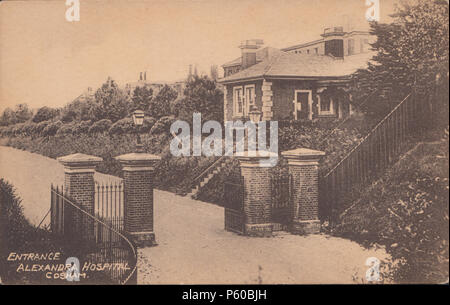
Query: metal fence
(99,241)
(233,202)
(281,186)
(378,150)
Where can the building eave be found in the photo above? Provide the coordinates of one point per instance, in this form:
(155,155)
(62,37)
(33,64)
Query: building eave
(320,79)
(240,80)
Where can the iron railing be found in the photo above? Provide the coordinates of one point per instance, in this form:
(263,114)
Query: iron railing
(233,202)
(374,153)
(94,240)
(281,186)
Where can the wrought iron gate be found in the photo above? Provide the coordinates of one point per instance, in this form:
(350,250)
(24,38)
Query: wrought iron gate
(98,240)
(233,202)
(281,186)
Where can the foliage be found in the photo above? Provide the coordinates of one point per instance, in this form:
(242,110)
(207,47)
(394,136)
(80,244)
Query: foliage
(111,102)
(20,114)
(160,105)
(65,129)
(100,126)
(7,117)
(142,97)
(44,114)
(51,129)
(39,128)
(413,50)
(123,126)
(18,235)
(13,223)
(162,125)
(201,95)
(407,212)
(81,127)
(78,110)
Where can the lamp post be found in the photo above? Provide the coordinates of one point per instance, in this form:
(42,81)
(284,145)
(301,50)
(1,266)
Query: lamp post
(138,120)
(254,114)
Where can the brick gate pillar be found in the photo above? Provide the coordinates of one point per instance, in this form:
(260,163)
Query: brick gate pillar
(138,172)
(304,168)
(79,182)
(257,195)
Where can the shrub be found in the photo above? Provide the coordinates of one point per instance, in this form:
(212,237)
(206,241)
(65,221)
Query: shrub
(65,129)
(12,219)
(81,128)
(162,125)
(122,126)
(148,124)
(68,116)
(18,235)
(28,128)
(39,128)
(100,126)
(44,114)
(17,129)
(9,130)
(51,129)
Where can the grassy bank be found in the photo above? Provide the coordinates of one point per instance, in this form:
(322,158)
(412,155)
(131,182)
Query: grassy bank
(406,211)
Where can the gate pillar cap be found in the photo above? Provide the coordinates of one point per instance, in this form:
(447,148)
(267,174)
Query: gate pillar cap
(137,161)
(253,158)
(79,162)
(302,154)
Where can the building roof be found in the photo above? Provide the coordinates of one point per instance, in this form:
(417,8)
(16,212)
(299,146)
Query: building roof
(261,54)
(303,66)
(302,45)
(310,43)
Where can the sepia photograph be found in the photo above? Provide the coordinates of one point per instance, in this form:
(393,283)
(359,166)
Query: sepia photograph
(240,144)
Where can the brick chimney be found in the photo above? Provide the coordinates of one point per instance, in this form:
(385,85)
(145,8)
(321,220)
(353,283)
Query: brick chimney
(334,41)
(248,48)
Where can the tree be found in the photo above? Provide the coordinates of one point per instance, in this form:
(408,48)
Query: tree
(8,117)
(201,95)
(80,109)
(22,113)
(44,114)
(412,52)
(160,105)
(110,102)
(142,97)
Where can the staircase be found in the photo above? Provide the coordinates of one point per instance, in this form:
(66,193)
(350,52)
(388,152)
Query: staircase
(377,151)
(205,177)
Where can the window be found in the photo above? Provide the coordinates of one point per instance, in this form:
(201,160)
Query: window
(238,101)
(326,105)
(316,50)
(307,51)
(302,104)
(351,47)
(249,97)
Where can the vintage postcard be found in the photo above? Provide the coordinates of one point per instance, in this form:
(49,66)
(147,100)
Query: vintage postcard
(248,142)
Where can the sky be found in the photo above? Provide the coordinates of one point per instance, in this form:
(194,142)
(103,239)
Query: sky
(47,61)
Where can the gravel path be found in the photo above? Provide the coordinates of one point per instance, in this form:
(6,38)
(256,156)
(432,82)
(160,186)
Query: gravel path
(193,246)
(32,174)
